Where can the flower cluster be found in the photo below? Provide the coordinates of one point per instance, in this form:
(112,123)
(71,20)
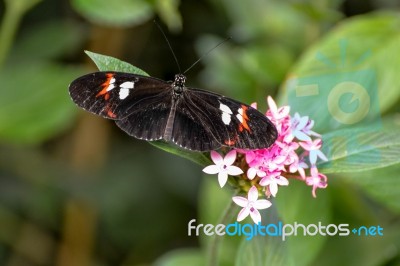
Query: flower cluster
(293,155)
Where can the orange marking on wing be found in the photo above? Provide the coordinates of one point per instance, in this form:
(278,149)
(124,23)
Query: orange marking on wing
(105,86)
(243,124)
(109,112)
(230,142)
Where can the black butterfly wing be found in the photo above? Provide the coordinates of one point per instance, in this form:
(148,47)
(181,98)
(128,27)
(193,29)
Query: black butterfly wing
(187,130)
(191,129)
(226,121)
(116,95)
(147,123)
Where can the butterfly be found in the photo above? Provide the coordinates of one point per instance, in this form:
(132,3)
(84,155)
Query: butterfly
(152,109)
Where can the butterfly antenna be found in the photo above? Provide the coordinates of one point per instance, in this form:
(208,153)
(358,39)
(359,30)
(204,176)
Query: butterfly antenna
(205,54)
(169,45)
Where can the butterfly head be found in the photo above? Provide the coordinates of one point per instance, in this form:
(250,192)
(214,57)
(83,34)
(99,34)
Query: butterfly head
(179,82)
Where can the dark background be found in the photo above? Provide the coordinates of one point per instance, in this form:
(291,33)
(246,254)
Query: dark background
(74,189)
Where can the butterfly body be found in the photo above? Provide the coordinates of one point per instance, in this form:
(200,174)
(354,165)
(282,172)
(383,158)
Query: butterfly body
(152,109)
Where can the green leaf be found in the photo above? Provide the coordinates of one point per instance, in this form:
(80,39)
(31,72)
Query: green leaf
(109,63)
(361,149)
(187,256)
(381,184)
(295,204)
(263,250)
(34,102)
(348,78)
(363,250)
(114,13)
(198,157)
(353,208)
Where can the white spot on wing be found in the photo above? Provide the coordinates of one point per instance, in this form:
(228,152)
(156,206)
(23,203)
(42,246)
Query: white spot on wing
(239,116)
(111,84)
(110,87)
(124,89)
(127,85)
(123,93)
(224,108)
(226,118)
(226,113)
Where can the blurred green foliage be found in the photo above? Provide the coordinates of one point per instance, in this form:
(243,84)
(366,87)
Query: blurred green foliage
(76,191)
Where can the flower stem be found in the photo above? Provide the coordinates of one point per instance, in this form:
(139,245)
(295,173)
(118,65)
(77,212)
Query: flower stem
(215,245)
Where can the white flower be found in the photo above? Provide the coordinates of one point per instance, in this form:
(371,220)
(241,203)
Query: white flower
(223,166)
(251,205)
(272,181)
(255,171)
